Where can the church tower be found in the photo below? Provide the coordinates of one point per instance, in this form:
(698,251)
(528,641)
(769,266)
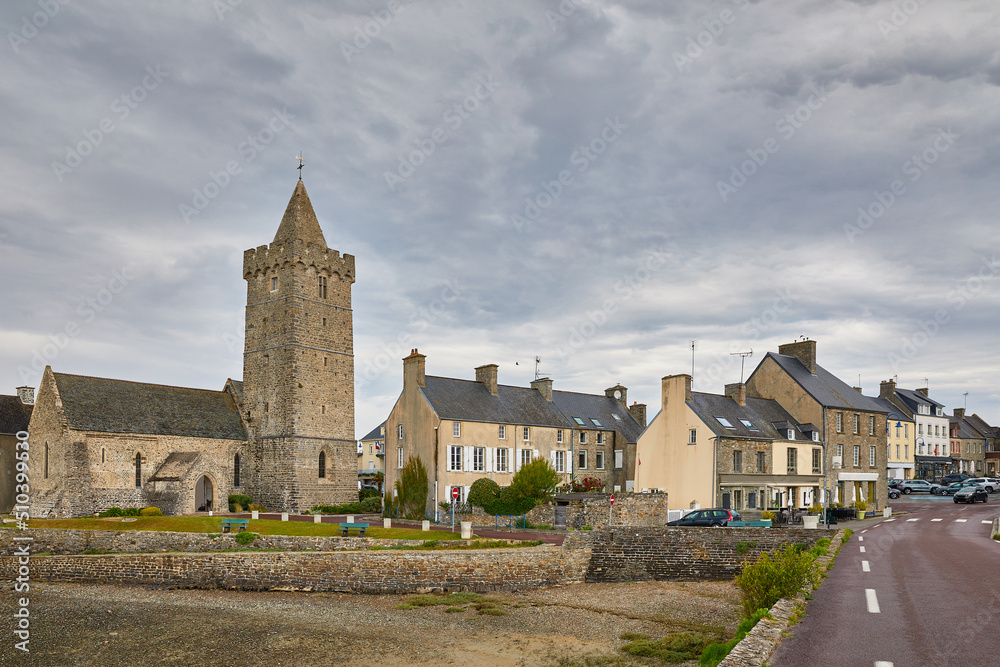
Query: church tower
(298,366)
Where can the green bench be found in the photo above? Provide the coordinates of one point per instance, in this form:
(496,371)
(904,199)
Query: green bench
(360,527)
(229,524)
(766,523)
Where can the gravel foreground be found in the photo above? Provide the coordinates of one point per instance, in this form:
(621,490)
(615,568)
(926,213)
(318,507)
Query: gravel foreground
(581,624)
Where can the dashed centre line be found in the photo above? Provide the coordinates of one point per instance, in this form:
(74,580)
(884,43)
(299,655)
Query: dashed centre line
(862,549)
(937,519)
(865,567)
(860,539)
(888,520)
(913,520)
(960,520)
(986,521)
(872,601)
(882,663)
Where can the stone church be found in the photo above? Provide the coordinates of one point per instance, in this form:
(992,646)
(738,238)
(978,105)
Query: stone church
(284,435)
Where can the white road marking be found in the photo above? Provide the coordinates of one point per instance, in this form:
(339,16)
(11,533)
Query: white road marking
(913,519)
(872,601)
(864,531)
(862,549)
(882,663)
(888,520)
(985,521)
(960,520)
(860,539)
(865,567)
(937,519)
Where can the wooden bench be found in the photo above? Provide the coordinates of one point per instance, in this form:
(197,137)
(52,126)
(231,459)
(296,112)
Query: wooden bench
(229,524)
(766,523)
(360,527)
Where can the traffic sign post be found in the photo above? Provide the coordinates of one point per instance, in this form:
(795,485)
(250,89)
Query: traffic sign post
(611,507)
(454,498)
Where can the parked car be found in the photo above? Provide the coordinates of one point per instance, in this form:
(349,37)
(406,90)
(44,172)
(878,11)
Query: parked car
(894,483)
(917,486)
(715,518)
(893,493)
(954,477)
(952,488)
(984,482)
(970,494)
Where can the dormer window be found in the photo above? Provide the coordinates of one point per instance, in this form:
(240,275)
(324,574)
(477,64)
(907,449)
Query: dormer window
(815,436)
(791,434)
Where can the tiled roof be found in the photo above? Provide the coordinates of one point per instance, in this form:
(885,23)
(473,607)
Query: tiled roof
(765,414)
(826,388)
(14,415)
(375,433)
(119,406)
(468,400)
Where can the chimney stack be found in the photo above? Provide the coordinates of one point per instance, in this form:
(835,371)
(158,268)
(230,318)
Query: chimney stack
(737,392)
(413,370)
(923,390)
(27,395)
(804,351)
(684,381)
(959,413)
(544,387)
(887,389)
(638,412)
(622,396)
(487,375)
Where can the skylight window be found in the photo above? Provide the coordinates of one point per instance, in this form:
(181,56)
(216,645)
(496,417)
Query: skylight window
(596,423)
(579,421)
(749,424)
(725,422)
(616,416)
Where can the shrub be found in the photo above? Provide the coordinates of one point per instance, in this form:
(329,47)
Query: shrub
(236,508)
(130,511)
(367,493)
(768,516)
(483,492)
(771,578)
(150,511)
(715,653)
(585,485)
(256,507)
(371,504)
(536,480)
(239,499)
(112,511)
(245,538)
(675,647)
(744,547)
(411,489)
(350,508)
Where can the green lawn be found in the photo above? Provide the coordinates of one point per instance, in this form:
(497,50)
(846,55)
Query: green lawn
(200,524)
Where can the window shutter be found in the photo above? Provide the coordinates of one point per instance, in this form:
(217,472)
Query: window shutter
(447,493)
(517,460)
(569,462)
(489,459)
(468,457)
(511,461)
(535,454)
(552,457)
(465,493)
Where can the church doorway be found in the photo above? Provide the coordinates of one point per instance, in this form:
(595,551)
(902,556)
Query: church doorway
(203,494)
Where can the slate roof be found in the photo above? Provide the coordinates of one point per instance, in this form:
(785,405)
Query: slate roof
(825,387)
(375,433)
(175,467)
(912,399)
(469,400)
(14,415)
(980,425)
(766,414)
(120,406)
(966,431)
(894,410)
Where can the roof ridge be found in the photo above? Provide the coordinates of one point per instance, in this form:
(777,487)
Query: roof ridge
(146,384)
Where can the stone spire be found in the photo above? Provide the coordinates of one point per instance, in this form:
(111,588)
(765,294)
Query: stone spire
(299,221)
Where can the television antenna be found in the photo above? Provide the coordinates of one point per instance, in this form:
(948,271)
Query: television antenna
(743,357)
(538,361)
(966,404)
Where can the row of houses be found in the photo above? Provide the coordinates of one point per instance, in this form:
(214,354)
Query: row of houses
(792,435)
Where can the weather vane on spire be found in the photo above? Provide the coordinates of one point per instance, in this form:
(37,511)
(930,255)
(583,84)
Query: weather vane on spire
(301,164)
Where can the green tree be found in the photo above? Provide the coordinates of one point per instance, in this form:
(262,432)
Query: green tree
(536,480)
(411,489)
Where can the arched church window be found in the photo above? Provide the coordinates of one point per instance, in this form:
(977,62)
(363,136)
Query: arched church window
(322,465)
(138,470)
(236,470)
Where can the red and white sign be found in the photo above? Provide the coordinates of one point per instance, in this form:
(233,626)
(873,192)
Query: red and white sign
(454,493)
(612,499)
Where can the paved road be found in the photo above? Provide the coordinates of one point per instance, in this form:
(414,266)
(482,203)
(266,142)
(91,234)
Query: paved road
(922,588)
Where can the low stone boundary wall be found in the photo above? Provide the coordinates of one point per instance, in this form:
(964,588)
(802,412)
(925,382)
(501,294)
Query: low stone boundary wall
(682,554)
(346,571)
(66,542)
(589,509)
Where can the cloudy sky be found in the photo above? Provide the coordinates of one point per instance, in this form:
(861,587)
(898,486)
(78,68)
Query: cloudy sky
(596,183)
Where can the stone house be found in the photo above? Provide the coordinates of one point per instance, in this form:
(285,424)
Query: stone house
(933,447)
(992,436)
(731,451)
(463,430)
(969,446)
(851,424)
(15,413)
(371,455)
(900,436)
(284,435)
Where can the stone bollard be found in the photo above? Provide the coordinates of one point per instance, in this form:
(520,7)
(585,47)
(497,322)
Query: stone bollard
(255,514)
(887,512)
(387,522)
(209,512)
(284,516)
(810,521)
(425,525)
(466,530)
(350,518)
(317,518)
